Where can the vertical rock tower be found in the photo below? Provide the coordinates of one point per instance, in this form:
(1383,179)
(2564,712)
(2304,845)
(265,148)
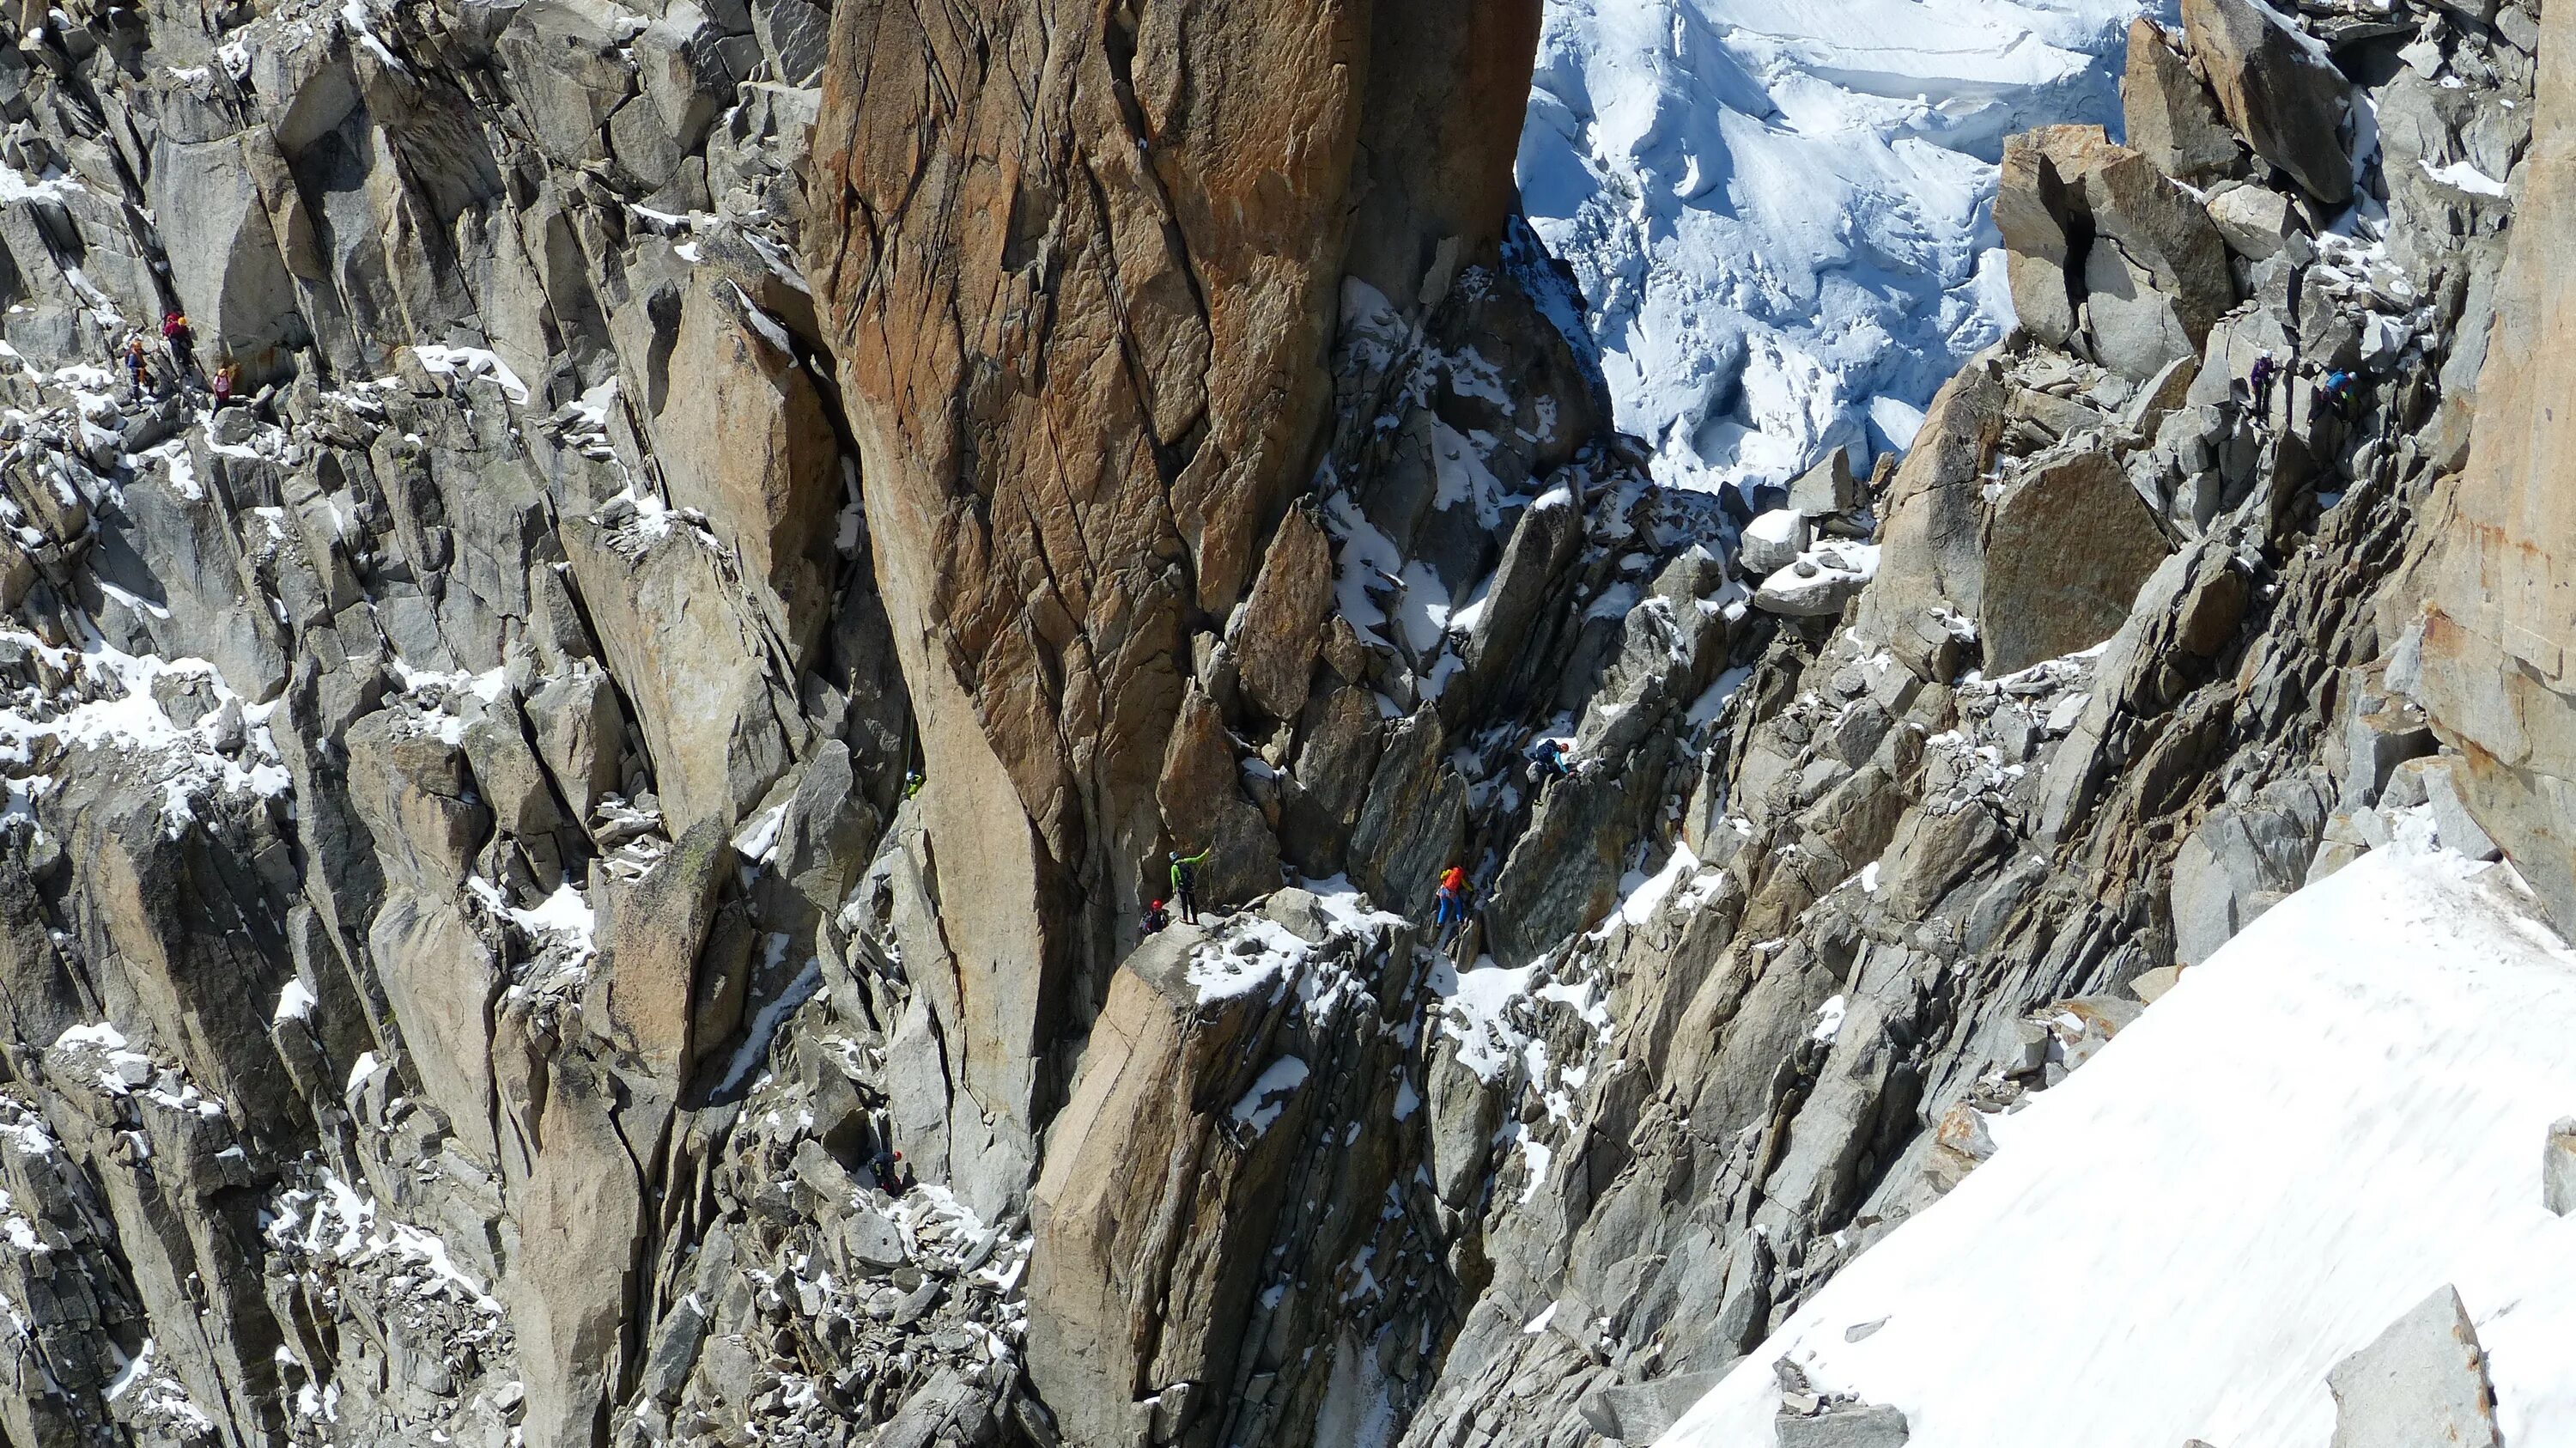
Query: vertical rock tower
(1080,265)
(2500,591)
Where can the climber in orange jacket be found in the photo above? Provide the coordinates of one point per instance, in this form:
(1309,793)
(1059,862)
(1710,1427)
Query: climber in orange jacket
(1450,905)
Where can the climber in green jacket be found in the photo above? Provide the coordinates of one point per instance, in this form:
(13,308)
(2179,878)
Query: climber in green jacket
(1185,882)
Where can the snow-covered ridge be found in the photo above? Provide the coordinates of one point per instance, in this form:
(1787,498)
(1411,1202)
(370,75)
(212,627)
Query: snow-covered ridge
(1779,209)
(2339,1113)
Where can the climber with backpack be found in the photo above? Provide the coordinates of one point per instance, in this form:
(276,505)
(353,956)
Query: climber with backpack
(181,339)
(2338,390)
(137,365)
(2260,381)
(1157,919)
(888,1170)
(1547,761)
(1450,906)
(1185,882)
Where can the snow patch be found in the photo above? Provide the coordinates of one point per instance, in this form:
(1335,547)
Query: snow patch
(1269,1095)
(2338,1113)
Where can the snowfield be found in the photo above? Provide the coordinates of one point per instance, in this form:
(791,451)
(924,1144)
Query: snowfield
(2341,1111)
(1778,209)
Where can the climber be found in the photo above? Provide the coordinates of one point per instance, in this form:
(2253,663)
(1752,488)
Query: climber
(2260,379)
(1185,883)
(227,378)
(137,365)
(888,1169)
(1157,919)
(2338,390)
(181,340)
(911,783)
(1547,761)
(1450,906)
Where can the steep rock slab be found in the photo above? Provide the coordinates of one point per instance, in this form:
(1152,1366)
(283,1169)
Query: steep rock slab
(2278,88)
(1204,1154)
(2167,112)
(1080,269)
(1931,562)
(743,436)
(2499,611)
(2065,554)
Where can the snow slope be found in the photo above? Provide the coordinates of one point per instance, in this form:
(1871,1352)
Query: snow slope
(1778,209)
(2338,1113)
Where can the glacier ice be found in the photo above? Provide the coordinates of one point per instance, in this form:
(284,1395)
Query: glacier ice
(1778,209)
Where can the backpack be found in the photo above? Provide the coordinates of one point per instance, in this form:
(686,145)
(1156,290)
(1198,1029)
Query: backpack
(1185,875)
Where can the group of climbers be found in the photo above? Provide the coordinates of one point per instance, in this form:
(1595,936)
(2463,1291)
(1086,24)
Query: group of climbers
(1185,889)
(1547,762)
(2339,387)
(179,344)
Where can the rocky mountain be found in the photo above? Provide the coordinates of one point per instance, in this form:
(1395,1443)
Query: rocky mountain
(696,569)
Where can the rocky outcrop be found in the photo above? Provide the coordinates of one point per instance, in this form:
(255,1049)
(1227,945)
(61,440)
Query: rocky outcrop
(2278,87)
(2423,1379)
(2095,228)
(2168,114)
(751,534)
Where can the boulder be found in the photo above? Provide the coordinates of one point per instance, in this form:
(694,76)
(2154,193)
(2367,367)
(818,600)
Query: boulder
(1638,1413)
(679,633)
(1827,488)
(1204,808)
(1934,850)
(1820,582)
(1414,818)
(580,733)
(1774,540)
(745,439)
(2255,221)
(2134,327)
(2163,231)
(2377,742)
(2243,860)
(567,67)
(213,202)
(1933,566)
(2067,550)
(2169,115)
(2422,1381)
(681,73)
(1842,1425)
(2278,88)
(793,36)
(1117,1219)
(2033,213)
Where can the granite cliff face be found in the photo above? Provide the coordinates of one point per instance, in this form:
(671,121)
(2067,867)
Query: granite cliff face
(2490,645)
(470,931)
